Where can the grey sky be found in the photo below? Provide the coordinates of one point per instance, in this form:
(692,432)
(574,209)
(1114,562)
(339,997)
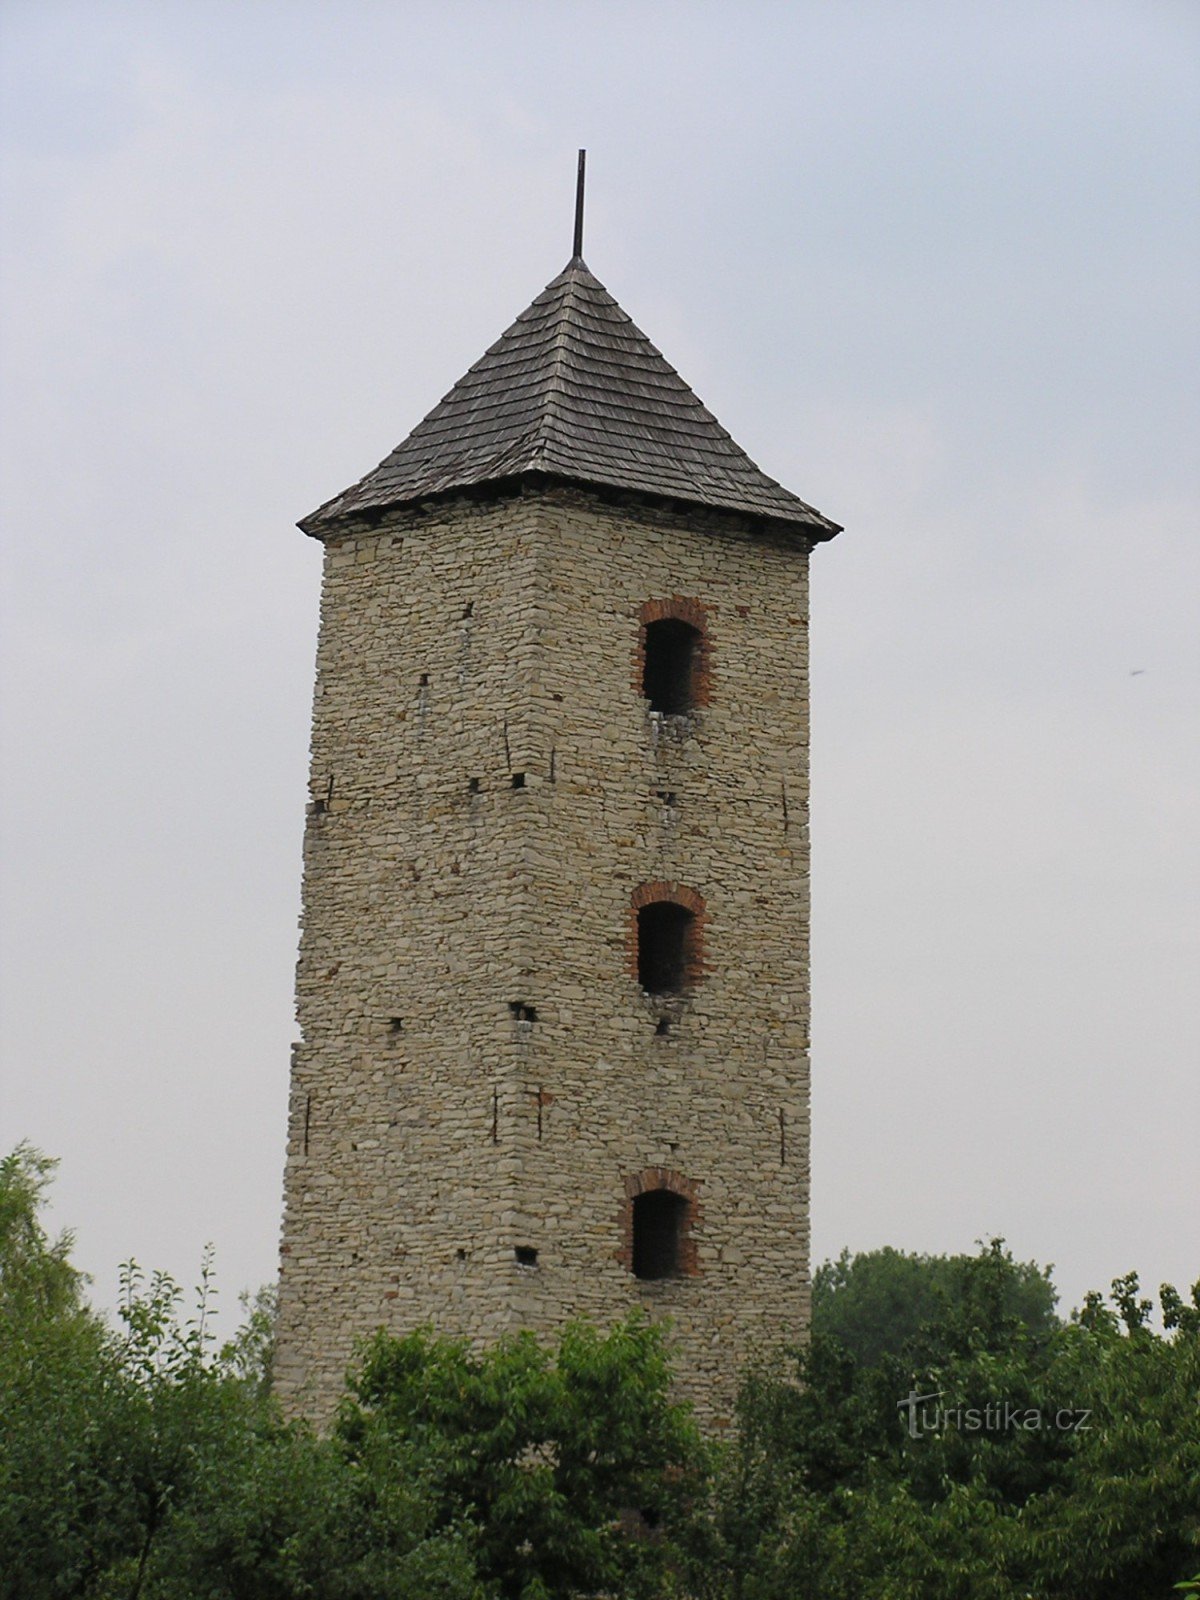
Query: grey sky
(934,266)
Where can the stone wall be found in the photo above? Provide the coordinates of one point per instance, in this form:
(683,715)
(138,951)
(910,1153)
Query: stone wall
(480,1072)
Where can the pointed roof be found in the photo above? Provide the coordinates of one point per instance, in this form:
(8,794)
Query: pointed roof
(574,391)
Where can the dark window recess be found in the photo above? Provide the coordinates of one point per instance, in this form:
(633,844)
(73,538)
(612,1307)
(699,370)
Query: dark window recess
(473,786)
(395,1026)
(518,780)
(663,1026)
(672,660)
(664,946)
(526,1255)
(521,1012)
(658,1223)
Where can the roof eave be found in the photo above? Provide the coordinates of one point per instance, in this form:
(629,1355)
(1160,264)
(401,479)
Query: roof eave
(326,520)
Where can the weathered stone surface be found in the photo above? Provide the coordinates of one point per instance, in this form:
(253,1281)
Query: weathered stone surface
(435,1129)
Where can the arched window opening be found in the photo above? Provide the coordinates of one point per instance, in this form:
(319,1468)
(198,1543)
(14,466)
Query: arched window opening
(666,935)
(671,665)
(659,1222)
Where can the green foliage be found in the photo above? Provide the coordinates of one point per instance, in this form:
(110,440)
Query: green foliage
(140,1463)
(36,1276)
(544,1451)
(147,1463)
(875,1302)
(1060,1462)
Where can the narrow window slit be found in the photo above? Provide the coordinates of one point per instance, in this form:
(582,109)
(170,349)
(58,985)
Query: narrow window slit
(526,1255)
(518,780)
(520,1012)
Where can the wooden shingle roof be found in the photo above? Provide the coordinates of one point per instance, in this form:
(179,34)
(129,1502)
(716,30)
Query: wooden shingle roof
(574,391)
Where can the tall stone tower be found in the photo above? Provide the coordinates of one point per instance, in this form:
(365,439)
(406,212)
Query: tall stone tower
(553,987)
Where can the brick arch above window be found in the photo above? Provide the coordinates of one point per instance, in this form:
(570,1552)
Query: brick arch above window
(663,1180)
(679,608)
(689,611)
(665,889)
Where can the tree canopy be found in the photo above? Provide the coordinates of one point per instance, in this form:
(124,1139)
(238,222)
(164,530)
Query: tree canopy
(994,1453)
(874,1303)
(943,1436)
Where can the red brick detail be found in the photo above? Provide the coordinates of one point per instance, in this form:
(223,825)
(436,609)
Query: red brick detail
(680,895)
(688,1189)
(682,609)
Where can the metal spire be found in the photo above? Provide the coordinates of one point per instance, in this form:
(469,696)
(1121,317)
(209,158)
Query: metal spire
(577,253)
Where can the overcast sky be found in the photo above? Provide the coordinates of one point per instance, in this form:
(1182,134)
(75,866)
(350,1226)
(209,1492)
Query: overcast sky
(934,266)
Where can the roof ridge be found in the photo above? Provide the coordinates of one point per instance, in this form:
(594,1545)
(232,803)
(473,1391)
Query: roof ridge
(555,386)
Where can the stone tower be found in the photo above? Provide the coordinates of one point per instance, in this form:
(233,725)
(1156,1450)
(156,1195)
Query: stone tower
(553,987)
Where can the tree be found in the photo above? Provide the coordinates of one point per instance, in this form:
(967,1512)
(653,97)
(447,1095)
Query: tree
(875,1302)
(564,1462)
(36,1276)
(1060,1461)
(56,1377)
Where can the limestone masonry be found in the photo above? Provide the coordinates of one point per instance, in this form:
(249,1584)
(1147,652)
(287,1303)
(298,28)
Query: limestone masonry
(553,988)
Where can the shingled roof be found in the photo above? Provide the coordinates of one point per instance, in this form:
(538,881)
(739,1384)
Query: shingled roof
(574,391)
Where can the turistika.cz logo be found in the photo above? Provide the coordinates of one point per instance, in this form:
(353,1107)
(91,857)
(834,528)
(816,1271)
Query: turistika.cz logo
(926,1414)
